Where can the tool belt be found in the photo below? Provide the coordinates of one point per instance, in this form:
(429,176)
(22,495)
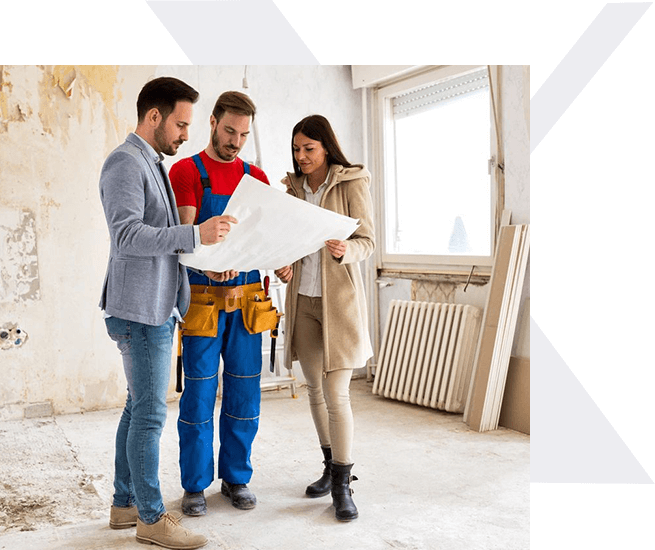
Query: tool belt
(257,309)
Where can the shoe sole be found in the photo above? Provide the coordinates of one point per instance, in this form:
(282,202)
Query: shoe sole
(317,495)
(148,541)
(121,525)
(192,514)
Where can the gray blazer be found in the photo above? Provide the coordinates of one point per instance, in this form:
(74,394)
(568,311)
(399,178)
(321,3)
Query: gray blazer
(144,279)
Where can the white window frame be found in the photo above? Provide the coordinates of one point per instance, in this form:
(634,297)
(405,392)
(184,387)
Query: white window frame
(382,99)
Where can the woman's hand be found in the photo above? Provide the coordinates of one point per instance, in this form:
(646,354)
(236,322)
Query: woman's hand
(284,273)
(221,277)
(336,248)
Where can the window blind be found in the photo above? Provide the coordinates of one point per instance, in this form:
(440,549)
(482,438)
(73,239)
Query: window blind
(439,93)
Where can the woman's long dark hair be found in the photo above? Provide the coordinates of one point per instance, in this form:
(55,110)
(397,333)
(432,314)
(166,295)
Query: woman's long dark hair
(318,128)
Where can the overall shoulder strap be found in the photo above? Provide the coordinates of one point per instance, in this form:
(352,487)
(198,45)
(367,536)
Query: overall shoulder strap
(246,167)
(204,178)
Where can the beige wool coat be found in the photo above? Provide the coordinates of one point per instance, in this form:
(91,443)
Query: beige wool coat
(346,339)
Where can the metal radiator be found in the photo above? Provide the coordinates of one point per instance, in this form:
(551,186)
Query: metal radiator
(427,354)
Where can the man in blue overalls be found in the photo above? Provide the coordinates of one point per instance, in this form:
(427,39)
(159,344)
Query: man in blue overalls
(203,185)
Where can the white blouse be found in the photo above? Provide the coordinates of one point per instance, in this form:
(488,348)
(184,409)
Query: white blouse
(310,277)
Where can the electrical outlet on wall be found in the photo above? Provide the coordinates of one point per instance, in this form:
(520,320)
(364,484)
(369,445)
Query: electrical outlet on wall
(11,336)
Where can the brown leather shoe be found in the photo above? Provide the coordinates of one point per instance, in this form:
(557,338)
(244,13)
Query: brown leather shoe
(168,532)
(124,518)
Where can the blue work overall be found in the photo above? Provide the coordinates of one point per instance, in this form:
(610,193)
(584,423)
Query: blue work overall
(242,364)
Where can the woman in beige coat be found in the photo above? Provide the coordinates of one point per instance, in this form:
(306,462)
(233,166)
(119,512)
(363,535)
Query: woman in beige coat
(326,319)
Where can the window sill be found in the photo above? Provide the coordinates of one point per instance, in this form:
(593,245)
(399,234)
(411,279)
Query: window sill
(480,277)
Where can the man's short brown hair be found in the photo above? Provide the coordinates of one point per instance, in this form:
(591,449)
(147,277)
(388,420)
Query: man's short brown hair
(234,102)
(163,93)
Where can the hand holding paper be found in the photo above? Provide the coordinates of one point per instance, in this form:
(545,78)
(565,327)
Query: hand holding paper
(284,273)
(215,228)
(336,248)
(222,276)
(274,230)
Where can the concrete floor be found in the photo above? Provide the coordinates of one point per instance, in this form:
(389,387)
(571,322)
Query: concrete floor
(425,482)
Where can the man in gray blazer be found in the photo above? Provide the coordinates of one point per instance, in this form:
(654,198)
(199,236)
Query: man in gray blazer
(145,291)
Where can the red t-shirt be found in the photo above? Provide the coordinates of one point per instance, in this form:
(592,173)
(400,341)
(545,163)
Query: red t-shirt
(224,178)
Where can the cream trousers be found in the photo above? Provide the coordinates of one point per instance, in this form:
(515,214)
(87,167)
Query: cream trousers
(329,396)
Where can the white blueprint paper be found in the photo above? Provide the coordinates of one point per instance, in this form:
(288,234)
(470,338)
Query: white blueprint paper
(274,230)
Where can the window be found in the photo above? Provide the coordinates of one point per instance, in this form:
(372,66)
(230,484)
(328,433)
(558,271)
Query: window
(438,200)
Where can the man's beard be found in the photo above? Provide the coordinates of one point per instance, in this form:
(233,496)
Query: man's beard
(217,149)
(160,139)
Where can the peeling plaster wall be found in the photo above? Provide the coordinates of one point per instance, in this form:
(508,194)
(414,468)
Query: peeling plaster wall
(19,271)
(57,124)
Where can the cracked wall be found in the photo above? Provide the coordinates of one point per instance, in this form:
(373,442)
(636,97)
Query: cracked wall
(57,125)
(19,269)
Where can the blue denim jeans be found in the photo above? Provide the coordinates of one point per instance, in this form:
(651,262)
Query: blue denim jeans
(146,352)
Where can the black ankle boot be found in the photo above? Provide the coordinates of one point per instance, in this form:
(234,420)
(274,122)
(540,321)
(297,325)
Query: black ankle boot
(342,493)
(321,487)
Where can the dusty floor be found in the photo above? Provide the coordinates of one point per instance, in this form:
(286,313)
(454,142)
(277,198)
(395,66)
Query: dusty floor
(425,482)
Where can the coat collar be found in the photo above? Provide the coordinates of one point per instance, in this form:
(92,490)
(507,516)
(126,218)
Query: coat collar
(146,148)
(336,175)
(331,180)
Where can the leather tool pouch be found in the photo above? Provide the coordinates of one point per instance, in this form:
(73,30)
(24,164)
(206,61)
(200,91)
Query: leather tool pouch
(202,317)
(259,316)
(258,312)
